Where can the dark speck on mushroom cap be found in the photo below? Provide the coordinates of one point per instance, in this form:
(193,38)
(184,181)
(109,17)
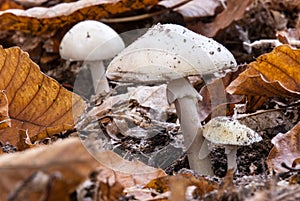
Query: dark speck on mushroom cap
(227,131)
(151,57)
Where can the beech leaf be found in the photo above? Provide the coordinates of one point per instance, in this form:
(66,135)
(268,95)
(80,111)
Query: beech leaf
(127,173)
(286,150)
(37,103)
(275,74)
(40,20)
(195,8)
(166,183)
(71,167)
(234,11)
(4,117)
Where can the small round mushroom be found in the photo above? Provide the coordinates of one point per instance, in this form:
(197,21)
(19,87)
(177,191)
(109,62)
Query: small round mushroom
(92,42)
(170,53)
(229,133)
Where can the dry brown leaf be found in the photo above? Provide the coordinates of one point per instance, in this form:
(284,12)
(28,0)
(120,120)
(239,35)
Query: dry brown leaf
(9,4)
(215,99)
(178,186)
(193,9)
(39,20)
(24,141)
(31,3)
(127,173)
(37,103)
(286,149)
(110,192)
(227,190)
(272,74)
(69,169)
(5,121)
(202,184)
(296,162)
(286,5)
(234,11)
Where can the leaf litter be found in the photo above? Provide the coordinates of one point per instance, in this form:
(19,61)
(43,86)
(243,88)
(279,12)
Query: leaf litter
(136,117)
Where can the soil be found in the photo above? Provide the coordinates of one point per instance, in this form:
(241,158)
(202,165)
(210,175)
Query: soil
(252,180)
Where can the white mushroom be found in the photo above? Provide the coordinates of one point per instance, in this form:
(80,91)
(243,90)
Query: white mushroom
(229,133)
(170,53)
(92,42)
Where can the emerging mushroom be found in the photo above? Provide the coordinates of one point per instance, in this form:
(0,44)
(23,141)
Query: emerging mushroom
(229,133)
(170,53)
(92,42)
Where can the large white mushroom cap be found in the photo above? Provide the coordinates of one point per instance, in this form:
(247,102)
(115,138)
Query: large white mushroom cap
(90,40)
(166,52)
(227,131)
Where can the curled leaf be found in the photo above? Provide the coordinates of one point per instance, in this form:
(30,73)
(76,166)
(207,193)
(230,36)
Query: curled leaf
(39,20)
(296,162)
(195,8)
(275,74)
(286,150)
(234,11)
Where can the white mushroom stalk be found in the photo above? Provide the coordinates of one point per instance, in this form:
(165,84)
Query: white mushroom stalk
(170,53)
(92,42)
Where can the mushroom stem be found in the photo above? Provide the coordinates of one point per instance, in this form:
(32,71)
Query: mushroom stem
(230,151)
(100,82)
(186,98)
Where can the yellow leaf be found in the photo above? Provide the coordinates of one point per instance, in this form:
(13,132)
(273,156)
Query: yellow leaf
(37,103)
(38,20)
(275,74)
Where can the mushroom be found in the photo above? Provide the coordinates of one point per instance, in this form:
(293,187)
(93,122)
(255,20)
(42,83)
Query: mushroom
(92,42)
(170,53)
(230,134)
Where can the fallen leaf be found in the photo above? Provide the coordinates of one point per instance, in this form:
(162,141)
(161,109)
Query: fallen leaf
(234,11)
(8,4)
(216,102)
(286,149)
(110,192)
(31,3)
(71,167)
(37,103)
(178,186)
(286,5)
(227,190)
(296,162)
(39,20)
(263,120)
(203,185)
(274,74)
(127,173)
(24,141)
(193,9)
(4,116)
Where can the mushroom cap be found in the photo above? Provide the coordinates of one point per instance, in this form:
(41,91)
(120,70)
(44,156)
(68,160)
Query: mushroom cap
(227,131)
(166,52)
(90,40)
